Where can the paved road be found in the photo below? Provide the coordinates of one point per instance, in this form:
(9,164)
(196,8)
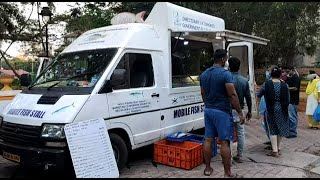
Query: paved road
(300,158)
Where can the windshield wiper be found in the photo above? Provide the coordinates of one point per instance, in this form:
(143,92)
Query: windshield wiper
(79,75)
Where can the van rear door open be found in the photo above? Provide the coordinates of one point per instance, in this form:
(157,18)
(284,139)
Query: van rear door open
(241,45)
(244,51)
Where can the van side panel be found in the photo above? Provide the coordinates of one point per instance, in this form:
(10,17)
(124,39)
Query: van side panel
(182,112)
(95,107)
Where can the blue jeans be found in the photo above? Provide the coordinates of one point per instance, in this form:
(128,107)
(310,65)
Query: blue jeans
(293,119)
(240,133)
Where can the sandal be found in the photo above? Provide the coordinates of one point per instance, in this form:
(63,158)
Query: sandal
(268,148)
(267,143)
(233,176)
(273,154)
(315,128)
(207,172)
(237,159)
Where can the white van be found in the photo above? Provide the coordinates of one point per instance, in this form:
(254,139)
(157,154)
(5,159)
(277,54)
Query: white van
(142,78)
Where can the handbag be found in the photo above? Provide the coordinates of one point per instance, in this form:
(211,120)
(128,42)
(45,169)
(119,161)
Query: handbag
(316,114)
(262,105)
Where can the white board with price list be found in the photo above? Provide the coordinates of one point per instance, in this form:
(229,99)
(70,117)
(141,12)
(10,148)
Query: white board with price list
(90,148)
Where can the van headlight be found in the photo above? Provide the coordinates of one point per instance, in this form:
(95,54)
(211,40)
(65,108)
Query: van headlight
(54,131)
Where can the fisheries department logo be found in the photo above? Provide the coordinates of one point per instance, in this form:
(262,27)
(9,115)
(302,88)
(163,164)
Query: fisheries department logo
(177,20)
(174,100)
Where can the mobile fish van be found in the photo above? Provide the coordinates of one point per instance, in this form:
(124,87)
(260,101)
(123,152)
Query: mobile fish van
(142,78)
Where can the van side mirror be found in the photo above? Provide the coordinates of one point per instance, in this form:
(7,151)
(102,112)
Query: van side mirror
(25,80)
(118,77)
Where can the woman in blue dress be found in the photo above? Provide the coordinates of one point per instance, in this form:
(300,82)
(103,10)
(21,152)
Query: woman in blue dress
(276,93)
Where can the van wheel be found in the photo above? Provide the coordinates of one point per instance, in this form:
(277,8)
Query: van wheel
(120,150)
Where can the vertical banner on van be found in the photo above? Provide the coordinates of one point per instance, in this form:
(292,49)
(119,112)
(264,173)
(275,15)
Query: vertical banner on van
(91,151)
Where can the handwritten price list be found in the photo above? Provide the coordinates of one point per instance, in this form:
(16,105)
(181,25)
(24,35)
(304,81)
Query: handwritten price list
(91,151)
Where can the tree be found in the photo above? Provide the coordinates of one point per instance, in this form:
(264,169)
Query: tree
(10,18)
(291,27)
(15,27)
(92,15)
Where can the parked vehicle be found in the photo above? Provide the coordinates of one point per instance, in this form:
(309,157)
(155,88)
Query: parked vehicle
(141,77)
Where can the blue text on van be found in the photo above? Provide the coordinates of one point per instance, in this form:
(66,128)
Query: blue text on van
(188,111)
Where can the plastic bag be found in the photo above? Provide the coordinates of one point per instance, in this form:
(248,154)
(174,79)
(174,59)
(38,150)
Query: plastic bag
(316,114)
(262,105)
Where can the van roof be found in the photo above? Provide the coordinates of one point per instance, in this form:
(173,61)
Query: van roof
(116,36)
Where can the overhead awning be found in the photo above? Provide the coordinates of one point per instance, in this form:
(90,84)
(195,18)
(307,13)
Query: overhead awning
(230,36)
(235,36)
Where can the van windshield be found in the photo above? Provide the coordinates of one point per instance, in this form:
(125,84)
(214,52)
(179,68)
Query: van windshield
(76,69)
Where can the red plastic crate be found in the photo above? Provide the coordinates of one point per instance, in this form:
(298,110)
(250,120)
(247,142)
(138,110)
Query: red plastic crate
(185,155)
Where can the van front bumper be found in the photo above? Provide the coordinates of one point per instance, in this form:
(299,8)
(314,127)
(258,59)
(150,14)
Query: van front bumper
(37,157)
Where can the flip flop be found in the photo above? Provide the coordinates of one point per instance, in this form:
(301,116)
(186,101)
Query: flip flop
(267,143)
(268,148)
(207,172)
(273,154)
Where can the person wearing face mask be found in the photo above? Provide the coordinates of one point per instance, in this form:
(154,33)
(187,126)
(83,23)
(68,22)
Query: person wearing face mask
(294,88)
(243,92)
(268,76)
(218,94)
(313,98)
(263,111)
(277,99)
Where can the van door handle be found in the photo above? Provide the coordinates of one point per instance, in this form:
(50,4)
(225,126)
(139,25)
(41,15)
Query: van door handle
(155,95)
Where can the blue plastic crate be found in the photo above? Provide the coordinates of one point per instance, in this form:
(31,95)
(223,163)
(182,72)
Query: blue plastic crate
(200,139)
(175,137)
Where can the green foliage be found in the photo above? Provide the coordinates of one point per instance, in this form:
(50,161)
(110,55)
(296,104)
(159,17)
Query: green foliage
(291,27)
(21,64)
(10,18)
(86,18)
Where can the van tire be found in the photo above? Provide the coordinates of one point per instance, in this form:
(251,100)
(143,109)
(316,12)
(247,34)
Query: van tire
(120,148)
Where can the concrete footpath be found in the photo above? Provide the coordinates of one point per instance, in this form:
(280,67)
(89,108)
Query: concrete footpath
(300,158)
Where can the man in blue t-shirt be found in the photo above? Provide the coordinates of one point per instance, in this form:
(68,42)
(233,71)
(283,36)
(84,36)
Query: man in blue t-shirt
(218,93)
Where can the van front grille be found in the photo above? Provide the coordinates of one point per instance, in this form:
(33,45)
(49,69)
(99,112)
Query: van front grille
(21,134)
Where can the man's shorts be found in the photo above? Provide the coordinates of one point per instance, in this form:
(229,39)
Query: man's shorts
(218,124)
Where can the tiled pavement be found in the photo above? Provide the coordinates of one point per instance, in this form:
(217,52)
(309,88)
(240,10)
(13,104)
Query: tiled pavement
(308,141)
